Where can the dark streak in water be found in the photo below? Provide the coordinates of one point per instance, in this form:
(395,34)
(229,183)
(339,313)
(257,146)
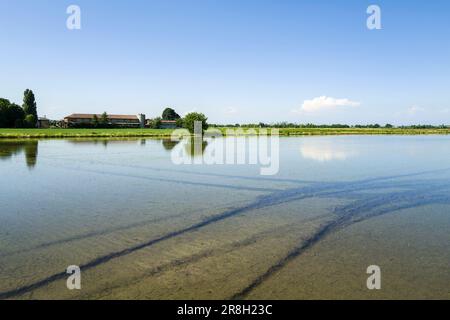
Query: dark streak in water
(117,254)
(87,235)
(351,214)
(207,174)
(203,184)
(262,201)
(91,234)
(229,247)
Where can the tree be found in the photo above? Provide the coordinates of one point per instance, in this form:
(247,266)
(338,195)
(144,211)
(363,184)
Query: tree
(155,123)
(29,121)
(180,123)
(104,119)
(11,115)
(190,119)
(170,114)
(95,121)
(4,105)
(16,116)
(29,105)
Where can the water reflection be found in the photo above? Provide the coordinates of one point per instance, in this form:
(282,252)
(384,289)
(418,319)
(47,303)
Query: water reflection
(191,147)
(107,141)
(189,143)
(9,148)
(187,148)
(224,218)
(169,144)
(323,151)
(195,146)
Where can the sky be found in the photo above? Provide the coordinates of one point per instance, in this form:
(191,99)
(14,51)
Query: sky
(240,61)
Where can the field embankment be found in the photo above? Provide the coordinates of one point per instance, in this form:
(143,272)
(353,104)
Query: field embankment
(160,133)
(83,133)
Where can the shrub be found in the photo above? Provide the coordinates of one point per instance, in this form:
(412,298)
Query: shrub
(190,119)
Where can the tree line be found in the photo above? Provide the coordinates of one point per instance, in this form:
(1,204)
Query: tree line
(325,126)
(15,116)
(25,116)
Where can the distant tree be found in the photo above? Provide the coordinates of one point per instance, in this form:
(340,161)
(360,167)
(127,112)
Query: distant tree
(388,125)
(29,121)
(155,123)
(95,121)
(16,116)
(180,122)
(104,119)
(29,106)
(190,119)
(11,115)
(55,124)
(170,114)
(4,106)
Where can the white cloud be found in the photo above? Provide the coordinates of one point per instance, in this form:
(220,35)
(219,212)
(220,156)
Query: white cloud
(414,110)
(323,152)
(325,103)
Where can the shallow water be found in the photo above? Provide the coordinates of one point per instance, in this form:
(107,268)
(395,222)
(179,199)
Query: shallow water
(141,227)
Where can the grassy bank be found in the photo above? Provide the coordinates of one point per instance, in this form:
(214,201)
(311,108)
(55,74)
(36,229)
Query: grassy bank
(83,133)
(356,131)
(105,133)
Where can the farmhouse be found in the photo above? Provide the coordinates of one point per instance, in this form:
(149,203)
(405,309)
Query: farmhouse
(79,119)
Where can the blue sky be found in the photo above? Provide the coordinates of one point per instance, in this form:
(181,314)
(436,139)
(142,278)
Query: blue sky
(236,61)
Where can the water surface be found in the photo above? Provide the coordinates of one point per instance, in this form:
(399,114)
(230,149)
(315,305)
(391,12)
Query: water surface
(141,227)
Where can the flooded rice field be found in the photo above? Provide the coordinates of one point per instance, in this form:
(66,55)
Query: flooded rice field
(141,227)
